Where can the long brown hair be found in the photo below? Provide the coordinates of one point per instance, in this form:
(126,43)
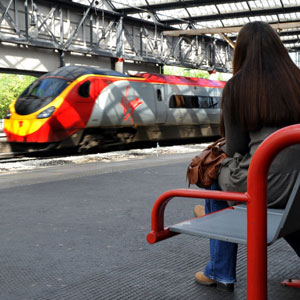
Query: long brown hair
(265,87)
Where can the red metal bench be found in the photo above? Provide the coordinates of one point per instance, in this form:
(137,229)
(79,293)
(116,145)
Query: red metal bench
(255,233)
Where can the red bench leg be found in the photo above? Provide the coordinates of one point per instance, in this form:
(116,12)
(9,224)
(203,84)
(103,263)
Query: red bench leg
(291,283)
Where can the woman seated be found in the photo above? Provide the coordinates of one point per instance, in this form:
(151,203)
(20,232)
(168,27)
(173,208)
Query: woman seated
(262,96)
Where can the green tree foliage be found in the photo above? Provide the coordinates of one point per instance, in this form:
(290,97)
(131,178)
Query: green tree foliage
(11,86)
(179,71)
(171,70)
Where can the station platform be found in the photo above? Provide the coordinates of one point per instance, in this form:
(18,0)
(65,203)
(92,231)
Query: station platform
(79,232)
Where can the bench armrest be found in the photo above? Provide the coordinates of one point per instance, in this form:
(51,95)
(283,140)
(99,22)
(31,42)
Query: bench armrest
(158,232)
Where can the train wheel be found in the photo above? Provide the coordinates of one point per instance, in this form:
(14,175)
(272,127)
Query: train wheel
(88,143)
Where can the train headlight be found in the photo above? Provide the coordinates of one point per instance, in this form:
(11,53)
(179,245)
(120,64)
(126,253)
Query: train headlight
(7,115)
(46,113)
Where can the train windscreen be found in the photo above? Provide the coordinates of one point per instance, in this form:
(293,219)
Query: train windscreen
(40,93)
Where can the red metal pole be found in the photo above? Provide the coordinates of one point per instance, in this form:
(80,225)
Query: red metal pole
(257,218)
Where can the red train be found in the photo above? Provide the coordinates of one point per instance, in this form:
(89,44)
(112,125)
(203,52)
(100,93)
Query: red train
(84,107)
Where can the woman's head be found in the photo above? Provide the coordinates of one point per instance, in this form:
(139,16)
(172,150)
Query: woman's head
(265,88)
(257,42)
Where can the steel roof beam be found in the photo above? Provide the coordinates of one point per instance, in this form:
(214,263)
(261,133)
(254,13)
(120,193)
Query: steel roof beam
(281,33)
(218,30)
(234,15)
(291,41)
(69,28)
(110,4)
(172,5)
(288,33)
(114,15)
(7,16)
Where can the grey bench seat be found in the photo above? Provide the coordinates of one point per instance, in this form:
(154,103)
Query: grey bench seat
(231,224)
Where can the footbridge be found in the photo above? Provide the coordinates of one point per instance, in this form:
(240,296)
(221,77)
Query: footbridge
(37,36)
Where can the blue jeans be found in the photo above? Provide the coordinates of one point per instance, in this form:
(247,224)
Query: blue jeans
(222,264)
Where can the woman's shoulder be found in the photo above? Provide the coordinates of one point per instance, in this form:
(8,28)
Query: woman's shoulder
(264,131)
(261,134)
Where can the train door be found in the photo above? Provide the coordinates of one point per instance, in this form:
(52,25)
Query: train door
(160,103)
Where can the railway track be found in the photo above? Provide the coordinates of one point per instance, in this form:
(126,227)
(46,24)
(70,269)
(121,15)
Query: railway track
(24,162)
(17,161)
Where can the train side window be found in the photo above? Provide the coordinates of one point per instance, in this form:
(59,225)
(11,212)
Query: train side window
(191,102)
(84,89)
(177,101)
(208,102)
(159,95)
(215,102)
(180,101)
(204,102)
(172,103)
(195,102)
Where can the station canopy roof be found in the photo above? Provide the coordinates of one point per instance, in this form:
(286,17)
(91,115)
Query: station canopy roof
(225,18)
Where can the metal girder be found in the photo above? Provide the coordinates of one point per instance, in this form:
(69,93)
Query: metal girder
(172,5)
(6,15)
(43,21)
(110,4)
(283,33)
(291,41)
(67,27)
(218,30)
(73,34)
(243,14)
(290,32)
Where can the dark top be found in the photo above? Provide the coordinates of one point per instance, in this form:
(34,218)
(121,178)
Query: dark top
(240,146)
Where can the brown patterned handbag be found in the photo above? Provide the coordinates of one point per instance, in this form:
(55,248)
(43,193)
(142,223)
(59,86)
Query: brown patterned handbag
(204,168)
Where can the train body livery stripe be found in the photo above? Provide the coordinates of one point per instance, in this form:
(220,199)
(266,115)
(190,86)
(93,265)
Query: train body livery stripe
(73,112)
(180,80)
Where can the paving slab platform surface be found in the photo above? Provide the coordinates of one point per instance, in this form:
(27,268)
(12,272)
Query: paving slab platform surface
(79,232)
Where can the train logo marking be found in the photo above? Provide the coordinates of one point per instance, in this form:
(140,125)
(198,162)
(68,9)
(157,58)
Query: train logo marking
(20,123)
(129,106)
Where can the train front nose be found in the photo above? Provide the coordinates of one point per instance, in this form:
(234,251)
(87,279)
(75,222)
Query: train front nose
(20,129)
(27,120)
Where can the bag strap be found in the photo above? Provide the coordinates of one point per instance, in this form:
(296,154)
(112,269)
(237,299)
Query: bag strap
(221,141)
